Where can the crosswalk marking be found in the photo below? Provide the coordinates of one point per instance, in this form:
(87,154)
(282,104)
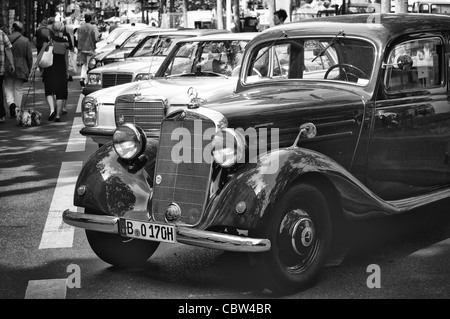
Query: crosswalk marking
(80,99)
(58,234)
(46,289)
(77,142)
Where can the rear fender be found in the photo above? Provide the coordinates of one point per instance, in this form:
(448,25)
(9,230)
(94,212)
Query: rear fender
(106,184)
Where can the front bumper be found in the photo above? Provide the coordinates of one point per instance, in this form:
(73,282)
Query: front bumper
(185,235)
(99,136)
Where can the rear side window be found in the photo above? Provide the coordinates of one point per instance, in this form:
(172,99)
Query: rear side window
(426,68)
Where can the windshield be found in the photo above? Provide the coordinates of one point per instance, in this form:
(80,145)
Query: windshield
(114,34)
(134,39)
(206,58)
(123,36)
(156,45)
(336,58)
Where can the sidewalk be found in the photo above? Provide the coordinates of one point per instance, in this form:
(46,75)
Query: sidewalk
(34,98)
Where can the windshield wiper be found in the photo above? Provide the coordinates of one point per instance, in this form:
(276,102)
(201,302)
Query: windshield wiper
(329,45)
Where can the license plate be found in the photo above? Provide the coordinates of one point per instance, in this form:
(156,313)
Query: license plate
(147,230)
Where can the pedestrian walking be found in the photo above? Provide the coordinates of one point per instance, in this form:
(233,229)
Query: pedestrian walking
(55,76)
(88,36)
(5,52)
(41,35)
(23,62)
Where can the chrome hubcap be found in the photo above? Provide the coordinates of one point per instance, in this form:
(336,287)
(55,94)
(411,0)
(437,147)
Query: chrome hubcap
(297,240)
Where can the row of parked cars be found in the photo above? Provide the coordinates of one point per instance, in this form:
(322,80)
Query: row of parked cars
(267,143)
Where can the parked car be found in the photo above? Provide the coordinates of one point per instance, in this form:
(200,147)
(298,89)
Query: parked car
(119,52)
(143,60)
(274,169)
(205,63)
(120,36)
(109,39)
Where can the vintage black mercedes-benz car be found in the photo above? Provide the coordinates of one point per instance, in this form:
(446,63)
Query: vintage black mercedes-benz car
(352,123)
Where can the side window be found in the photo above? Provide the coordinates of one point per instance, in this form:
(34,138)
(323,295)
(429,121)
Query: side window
(425,71)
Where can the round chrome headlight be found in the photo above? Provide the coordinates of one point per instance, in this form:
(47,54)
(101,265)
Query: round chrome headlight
(129,141)
(228,147)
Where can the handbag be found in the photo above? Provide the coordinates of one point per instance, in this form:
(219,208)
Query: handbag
(47,57)
(72,68)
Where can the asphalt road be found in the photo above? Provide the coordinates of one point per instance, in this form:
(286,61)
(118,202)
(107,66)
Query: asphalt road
(37,172)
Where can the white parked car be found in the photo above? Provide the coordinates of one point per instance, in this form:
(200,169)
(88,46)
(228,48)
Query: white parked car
(140,61)
(209,64)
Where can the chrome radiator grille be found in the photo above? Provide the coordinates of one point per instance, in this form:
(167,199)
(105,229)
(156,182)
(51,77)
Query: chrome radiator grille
(184,183)
(112,79)
(147,114)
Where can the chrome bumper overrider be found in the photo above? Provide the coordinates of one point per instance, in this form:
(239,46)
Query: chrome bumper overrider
(184,235)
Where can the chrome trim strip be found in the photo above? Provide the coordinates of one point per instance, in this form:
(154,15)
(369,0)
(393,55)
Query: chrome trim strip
(185,235)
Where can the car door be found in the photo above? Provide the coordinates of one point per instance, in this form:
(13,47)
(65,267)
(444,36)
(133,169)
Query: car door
(409,147)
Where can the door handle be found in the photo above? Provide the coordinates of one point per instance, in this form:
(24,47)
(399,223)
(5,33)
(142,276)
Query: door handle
(389,118)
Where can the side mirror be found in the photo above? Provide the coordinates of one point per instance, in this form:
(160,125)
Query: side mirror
(404,62)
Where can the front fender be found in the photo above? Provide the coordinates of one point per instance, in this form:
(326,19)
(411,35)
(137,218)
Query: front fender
(260,185)
(107,186)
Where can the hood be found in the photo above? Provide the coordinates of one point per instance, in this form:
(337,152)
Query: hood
(174,89)
(287,105)
(102,52)
(132,65)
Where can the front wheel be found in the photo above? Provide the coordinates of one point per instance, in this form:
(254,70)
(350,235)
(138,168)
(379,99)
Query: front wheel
(120,251)
(300,234)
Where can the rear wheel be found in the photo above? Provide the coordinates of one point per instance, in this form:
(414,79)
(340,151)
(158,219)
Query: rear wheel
(300,234)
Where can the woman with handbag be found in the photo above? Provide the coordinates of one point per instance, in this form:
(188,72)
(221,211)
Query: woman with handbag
(55,76)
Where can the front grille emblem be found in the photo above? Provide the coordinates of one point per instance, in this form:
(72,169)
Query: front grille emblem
(173,212)
(158,179)
(121,120)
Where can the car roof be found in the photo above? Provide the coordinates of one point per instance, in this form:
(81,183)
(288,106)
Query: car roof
(391,25)
(223,36)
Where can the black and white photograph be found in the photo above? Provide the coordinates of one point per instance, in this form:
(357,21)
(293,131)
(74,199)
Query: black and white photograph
(224,158)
